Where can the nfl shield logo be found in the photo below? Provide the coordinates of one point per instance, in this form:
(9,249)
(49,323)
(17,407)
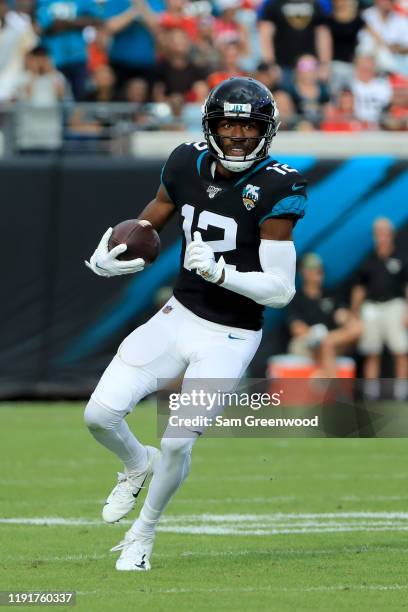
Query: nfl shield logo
(212,191)
(250,196)
(167,309)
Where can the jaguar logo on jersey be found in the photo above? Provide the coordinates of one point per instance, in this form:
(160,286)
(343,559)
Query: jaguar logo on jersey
(250,196)
(212,191)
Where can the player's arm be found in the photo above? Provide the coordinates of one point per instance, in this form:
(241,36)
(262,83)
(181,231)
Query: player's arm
(274,286)
(159,210)
(104,262)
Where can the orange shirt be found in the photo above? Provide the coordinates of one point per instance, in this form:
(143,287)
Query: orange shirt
(96,57)
(215,78)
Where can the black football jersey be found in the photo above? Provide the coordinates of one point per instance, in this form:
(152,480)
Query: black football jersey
(228,212)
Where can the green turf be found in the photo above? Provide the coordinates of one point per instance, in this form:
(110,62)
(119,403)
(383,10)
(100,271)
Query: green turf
(51,467)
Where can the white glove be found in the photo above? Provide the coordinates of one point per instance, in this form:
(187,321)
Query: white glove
(200,256)
(104,263)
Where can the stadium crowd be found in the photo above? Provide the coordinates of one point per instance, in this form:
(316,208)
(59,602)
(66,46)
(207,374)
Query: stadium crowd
(365,317)
(334,65)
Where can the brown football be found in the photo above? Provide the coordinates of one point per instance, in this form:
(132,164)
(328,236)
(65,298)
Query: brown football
(141,238)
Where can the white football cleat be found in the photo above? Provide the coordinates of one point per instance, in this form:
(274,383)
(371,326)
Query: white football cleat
(123,497)
(136,553)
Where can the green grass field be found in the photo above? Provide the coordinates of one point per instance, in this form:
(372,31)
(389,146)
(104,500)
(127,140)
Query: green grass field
(300,524)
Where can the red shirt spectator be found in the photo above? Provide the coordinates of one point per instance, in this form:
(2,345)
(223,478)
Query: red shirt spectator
(228,29)
(175,17)
(230,55)
(339,117)
(97,50)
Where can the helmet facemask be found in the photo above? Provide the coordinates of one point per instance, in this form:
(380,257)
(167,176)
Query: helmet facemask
(269,127)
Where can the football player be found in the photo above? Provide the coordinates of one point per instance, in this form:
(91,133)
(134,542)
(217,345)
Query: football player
(237,207)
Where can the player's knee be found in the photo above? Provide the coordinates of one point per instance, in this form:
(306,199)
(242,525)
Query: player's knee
(175,446)
(97,416)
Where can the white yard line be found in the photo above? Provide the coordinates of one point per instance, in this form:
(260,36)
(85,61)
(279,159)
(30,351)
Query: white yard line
(298,552)
(213,530)
(275,516)
(249,524)
(332,588)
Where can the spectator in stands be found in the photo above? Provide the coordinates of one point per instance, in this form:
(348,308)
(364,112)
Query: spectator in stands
(41,84)
(96,120)
(176,16)
(269,74)
(102,86)
(372,94)
(386,37)
(174,120)
(17,37)
(287,112)
(98,48)
(291,28)
(339,115)
(39,119)
(134,27)
(190,115)
(205,53)
(344,23)
(137,91)
(229,64)
(62,23)
(247,15)
(380,296)
(176,73)
(309,94)
(320,326)
(395,116)
(228,29)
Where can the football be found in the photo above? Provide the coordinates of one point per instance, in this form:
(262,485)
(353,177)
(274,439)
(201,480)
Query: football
(141,238)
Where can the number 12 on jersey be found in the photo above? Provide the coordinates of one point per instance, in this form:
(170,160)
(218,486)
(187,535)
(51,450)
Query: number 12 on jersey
(206,218)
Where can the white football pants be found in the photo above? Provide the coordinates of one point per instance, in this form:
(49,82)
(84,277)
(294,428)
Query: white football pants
(173,341)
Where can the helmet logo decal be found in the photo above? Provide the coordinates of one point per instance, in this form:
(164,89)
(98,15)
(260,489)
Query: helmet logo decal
(230,110)
(212,191)
(250,196)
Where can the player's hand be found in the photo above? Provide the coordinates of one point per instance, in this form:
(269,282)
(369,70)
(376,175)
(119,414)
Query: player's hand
(200,257)
(104,263)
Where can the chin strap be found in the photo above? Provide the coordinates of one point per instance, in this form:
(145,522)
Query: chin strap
(236,166)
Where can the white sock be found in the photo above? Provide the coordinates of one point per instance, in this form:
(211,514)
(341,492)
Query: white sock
(400,391)
(371,388)
(170,472)
(110,429)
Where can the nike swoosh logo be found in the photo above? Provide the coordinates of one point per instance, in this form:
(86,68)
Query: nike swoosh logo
(141,565)
(100,267)
(297,187)
(140,488)
(235,337)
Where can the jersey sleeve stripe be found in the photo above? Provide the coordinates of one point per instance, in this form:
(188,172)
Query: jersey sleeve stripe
(295,205)
(199,160)
(164,185)
(261,165)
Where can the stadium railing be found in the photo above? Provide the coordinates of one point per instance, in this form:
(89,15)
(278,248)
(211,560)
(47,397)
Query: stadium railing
(150,131)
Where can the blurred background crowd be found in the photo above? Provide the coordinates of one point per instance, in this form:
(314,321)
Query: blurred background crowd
(333,65)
